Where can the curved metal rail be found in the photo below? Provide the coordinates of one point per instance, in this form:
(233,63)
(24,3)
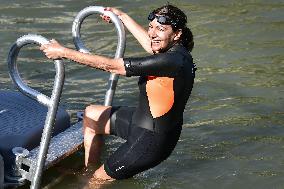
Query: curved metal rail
(120,43)
(52,103)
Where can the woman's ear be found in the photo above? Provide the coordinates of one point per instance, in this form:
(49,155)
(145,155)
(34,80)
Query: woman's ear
(178,34)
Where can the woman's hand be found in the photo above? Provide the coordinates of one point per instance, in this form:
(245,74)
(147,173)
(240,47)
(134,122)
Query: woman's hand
(135,29)
(53,50)
(116,11)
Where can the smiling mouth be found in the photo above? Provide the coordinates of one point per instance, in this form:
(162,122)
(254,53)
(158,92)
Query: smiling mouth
(156,42)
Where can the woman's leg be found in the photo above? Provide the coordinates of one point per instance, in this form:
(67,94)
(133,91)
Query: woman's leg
(95,123)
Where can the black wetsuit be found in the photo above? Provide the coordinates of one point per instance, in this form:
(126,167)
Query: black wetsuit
(150,140)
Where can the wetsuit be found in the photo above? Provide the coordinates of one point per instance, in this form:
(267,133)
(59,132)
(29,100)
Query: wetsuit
(152,129)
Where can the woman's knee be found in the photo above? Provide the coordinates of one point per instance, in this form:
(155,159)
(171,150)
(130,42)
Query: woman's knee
(96,117)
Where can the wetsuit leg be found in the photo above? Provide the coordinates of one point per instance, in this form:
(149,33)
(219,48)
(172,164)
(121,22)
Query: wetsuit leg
(143,150)
(120,121)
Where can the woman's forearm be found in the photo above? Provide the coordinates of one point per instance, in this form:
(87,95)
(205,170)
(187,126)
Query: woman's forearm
(95,61)
(54,50)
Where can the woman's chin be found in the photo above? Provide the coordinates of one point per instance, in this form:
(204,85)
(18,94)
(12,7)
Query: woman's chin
(156,49)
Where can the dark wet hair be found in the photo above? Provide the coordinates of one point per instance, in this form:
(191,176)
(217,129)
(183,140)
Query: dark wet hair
(178,21)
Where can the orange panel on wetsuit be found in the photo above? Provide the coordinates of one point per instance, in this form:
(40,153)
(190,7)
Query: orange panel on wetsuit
(160,94)
(165,83)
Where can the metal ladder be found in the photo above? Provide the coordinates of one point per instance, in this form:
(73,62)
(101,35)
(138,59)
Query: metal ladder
(51,150)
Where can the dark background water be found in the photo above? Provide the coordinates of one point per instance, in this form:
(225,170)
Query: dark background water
(233,133)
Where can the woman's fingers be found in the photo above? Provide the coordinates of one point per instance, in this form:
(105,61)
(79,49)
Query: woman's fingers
(42,47)
(52,50)
(114,10)
(45,46)
(106,18)
(52,41)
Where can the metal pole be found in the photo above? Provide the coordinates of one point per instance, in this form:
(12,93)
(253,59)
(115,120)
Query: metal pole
(49,122)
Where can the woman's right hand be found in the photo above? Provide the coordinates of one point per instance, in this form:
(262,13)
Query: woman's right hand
(53,49)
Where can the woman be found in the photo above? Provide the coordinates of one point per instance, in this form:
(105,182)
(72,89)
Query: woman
(152,129)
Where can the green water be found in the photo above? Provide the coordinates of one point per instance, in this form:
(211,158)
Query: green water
(233,133)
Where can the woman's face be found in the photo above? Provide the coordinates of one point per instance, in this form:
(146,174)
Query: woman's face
(162,36)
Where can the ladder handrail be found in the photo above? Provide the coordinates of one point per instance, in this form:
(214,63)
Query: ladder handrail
(120,43)
(52,102)
(13,69)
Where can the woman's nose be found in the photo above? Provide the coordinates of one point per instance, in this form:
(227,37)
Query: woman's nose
(152,33)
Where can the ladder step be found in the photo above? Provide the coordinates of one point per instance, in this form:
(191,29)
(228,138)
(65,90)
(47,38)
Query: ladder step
(61,146)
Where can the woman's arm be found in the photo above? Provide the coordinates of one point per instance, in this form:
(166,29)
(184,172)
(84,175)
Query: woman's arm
(134,28)
(54,50)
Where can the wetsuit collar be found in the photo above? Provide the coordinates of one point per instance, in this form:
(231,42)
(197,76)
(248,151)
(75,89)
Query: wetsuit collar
(178,47)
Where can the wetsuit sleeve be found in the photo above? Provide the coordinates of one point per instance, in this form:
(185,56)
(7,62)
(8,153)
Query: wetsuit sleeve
(162,65)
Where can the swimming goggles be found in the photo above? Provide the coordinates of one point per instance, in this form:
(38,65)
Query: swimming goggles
(162,19)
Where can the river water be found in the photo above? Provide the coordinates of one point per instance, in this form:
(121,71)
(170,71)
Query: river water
(233,132)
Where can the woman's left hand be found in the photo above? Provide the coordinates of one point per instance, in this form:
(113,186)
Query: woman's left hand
(116,11)
(53,50)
